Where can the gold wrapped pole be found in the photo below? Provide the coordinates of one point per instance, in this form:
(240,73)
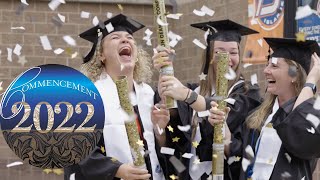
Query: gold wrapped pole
(131,126)
(222,59)
(163,40)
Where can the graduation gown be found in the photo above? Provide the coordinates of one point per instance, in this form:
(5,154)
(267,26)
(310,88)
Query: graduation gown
(299,149)
(97,165)
(246,97)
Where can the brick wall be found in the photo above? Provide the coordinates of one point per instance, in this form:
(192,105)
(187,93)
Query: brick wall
(37,19)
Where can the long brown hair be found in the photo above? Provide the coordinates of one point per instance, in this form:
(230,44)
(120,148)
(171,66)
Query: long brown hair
(257,119)
(206,85)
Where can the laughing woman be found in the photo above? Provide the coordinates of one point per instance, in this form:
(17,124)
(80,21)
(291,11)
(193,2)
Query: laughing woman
(115,54)
(284,131)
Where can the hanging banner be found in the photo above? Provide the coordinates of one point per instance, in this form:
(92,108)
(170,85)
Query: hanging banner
(310,25)
(265,16)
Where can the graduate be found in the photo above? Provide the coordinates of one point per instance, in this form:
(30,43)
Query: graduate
(224,36)
(284,132)
(115,53)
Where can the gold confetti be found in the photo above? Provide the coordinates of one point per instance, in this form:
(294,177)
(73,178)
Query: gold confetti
(120,7)
(170,128)
(68,51)
(47,171)
(237,158)
(195,144)
(269,125)
(140,143)
(58,171)
(102,149)
(300,36)
(173,177)
(176,139)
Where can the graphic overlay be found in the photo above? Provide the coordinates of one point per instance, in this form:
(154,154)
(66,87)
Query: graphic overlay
(51,116)
(266,17)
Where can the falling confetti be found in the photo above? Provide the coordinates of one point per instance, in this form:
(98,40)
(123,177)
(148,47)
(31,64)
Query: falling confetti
(166,150)
(58,171)
(56,21)
(196,160)
(199,44)
(21,28)
(259,42)
(231,75)
(303,11)
(207,10)
(22,60)
(245,163)
(72,176)
(175,139)
(58,51)
(109,15)
(69,40)
(62,17)
(199,13)
(274,60)
(85,14)
(187,155)
(230,101)
(17,163)
(249,152)
(254,79)
(17,49)
(74,55)
(300,37)
(24,2)
(1,88)
(185,128)
(173,177)
(54,4)
(233,159)
(316,104)
(202,77)
(109,27)
(45,43)
(285,176)
(174,16)
(160,22)
(288,157)
(47,171)
(95,21)
(170,128)
(195,144)
(311,130)
(120,7)
(9,58)
(177,164)
(313,119)
(102,149)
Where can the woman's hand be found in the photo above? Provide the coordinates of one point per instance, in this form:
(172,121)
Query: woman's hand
(314,74)
(163,58)
(160,116)
(171,86)
(130,172)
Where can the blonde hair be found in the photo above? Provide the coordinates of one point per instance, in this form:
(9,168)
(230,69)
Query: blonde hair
(206,85)
(141,73)
(257,119)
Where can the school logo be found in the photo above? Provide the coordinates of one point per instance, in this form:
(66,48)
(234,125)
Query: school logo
(269,13)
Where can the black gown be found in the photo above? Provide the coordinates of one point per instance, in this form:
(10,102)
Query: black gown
(302,146)
(98,166)
(247,97)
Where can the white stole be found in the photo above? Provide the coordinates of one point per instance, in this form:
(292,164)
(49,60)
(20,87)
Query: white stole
(114,132)
(268,151)
(197,170)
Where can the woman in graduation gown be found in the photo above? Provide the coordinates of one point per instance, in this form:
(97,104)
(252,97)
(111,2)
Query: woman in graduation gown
(283,133)
(225,35)
(115,53)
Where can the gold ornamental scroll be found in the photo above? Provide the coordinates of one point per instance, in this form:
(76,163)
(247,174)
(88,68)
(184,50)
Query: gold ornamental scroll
(131,126)
(218,136)
(163,40)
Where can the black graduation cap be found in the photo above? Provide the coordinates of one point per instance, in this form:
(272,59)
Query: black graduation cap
(119,22)
(289,48)
(223,30)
